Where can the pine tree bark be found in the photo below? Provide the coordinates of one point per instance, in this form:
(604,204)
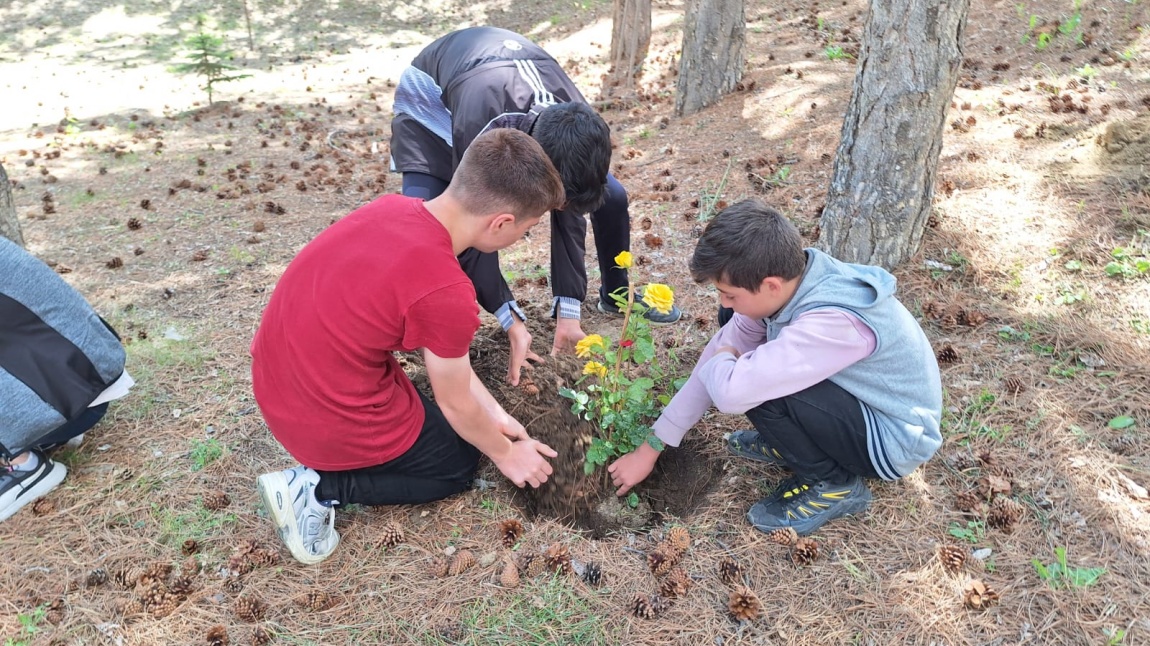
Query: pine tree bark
(630,42)
(714,33)
(882,183)
(9,226)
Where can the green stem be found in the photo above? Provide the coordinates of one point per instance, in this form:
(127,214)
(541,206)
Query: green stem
(622,338)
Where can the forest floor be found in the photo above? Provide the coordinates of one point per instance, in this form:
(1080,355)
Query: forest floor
(175,219)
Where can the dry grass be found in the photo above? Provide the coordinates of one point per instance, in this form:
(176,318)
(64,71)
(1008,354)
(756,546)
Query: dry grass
(1062,352)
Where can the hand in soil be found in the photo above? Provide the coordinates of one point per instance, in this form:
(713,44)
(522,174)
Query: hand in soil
(520,351)
(526,463)
(633,468)
(568,332)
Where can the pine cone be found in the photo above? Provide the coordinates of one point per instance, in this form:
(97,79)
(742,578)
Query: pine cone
(43,507)
(968,502)
(264,557)
(730,572)
(240,564)
(932,309)
(642,607)
(784,536)
(260,636)
(96,577)
(662,562)
(679,538)
(744,605)
(536,565)
(190,567)
(392,535)
(190,547)
(462,562)
(973,318)
(158,570)
(509,578)
(246,546)
(947,354)
(182,585)
(250,608)
(558,559)
(952,557)
(130,607)
(1013,385)
(218,636)
(162,604)
(439,567)
(233,585)
(977,595)
(962,461)
(675,584)
(592,574)
(55,612)
(216,500)
(805,551)
(509,532)
(149,586)
(1004,513)
(316,601)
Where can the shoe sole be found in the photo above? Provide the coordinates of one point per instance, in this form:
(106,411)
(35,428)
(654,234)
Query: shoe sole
(274,490)
(805,528)
(603,310)
(46,482)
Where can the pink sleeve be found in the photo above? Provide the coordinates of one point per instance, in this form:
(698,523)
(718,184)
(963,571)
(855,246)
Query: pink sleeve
(688,405)
(818,344)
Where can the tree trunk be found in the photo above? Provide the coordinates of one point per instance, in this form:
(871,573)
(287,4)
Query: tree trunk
(712,61)
(883,177)
(630,40)
(9,227)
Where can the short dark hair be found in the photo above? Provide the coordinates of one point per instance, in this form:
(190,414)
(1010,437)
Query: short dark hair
(506,170)
(745,243)
(578,141)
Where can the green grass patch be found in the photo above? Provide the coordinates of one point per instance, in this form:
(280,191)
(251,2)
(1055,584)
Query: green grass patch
(196,523)
(205,452)
(548,611)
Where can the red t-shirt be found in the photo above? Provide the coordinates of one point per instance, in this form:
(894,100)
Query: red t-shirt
(381,280)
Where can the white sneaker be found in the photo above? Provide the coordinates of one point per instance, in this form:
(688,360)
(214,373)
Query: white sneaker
(19,488)
(306,526)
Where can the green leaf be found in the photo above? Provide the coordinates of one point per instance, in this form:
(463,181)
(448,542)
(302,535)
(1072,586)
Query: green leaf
(567,392)
(1122,421)
(656,443)
(1043,572)
(638,390)
(644,350)
(1073,265)
(632,500)
(1113,269)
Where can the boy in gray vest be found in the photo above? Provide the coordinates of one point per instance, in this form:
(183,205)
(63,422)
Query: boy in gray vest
(834,374)
(60,365)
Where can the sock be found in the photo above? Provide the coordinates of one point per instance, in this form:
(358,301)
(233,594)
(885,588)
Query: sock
(30,464)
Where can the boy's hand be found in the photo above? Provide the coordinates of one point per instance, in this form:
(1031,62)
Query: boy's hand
(568,332)
(520,351)
(525,464)
(512,429)
(633,468)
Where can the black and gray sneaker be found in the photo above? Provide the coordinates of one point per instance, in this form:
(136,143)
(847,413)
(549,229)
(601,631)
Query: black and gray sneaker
(19,488)
(807,506)
(654,316)
(748,444)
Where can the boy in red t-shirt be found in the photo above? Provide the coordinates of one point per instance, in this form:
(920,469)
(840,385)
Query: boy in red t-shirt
(385,279)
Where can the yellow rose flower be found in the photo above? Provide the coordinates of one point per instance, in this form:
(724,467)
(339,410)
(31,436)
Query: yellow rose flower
(595,368)
(588,343)
(624,260)
(659,297)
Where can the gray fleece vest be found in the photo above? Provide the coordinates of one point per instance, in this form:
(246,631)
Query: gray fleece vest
(56,354)
(898,385)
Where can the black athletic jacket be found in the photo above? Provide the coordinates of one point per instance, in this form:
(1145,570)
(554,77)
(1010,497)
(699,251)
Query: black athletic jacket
(464,83)
(56,354)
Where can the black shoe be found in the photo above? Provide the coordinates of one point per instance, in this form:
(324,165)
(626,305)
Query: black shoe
(806,507)
(654,316)
(748,444)
(18,488)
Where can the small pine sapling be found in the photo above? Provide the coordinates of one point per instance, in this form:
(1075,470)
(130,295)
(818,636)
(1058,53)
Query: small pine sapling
(209,58)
